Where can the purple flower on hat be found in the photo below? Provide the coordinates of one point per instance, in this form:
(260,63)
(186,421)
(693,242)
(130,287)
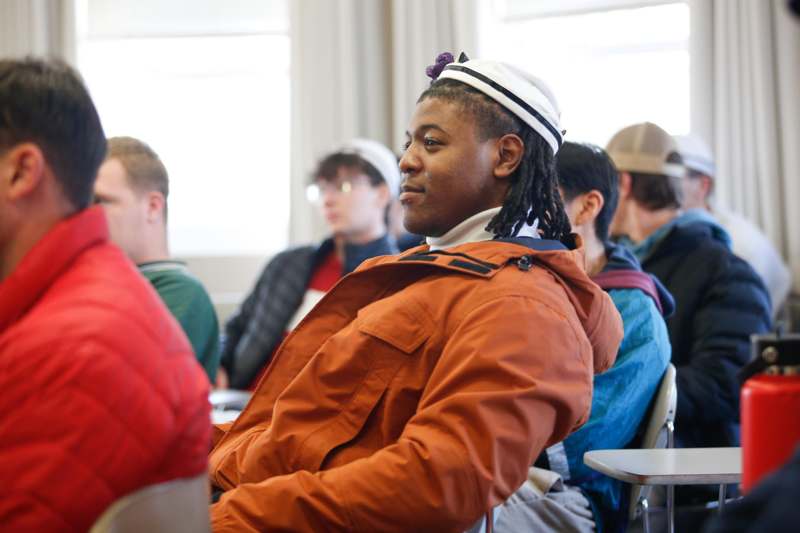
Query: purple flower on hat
(442,60)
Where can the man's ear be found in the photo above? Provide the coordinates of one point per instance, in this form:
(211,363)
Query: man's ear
(23,170)
(625,182)
(591,204)
(707,184)
(156,206)
(510,150)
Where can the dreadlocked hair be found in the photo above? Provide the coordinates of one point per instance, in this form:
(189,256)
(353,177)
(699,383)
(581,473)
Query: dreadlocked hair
(534,184)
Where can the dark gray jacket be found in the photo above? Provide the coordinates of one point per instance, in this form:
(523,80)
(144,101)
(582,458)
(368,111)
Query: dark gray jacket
(720,302)
(257,328)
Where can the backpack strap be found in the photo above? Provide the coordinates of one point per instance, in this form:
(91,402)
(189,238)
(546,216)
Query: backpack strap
(629,279)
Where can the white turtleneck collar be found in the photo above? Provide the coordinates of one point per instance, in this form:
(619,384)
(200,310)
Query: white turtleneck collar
(473,229)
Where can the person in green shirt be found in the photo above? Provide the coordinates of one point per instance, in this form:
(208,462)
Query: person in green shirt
(132,186)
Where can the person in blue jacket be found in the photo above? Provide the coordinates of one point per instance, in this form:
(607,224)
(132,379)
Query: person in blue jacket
(562,494)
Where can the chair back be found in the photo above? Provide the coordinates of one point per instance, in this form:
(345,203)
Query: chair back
(659,430)
(178,506)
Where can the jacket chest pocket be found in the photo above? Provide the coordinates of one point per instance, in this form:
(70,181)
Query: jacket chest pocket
(382,339)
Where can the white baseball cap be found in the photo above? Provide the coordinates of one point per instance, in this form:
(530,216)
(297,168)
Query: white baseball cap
(377,155)
(696,154)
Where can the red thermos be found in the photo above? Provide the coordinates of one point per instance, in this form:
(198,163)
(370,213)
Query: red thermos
(770,406)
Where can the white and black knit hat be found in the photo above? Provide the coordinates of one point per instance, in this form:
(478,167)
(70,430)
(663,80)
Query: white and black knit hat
(526,96)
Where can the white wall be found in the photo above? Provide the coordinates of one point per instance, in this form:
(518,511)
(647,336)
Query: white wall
(228,280)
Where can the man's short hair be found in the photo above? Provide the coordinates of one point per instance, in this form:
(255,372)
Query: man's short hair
(583,168)
(45,102)
(657,191)
(144,169)
(328,167)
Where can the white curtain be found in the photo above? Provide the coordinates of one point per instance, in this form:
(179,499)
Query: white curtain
(746,102)
(421,29)
(37,27)
(340,88)
(358,67)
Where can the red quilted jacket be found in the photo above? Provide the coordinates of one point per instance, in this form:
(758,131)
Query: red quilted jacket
(99,391)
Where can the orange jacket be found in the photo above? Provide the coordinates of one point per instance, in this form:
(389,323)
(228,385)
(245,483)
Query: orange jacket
(416,394)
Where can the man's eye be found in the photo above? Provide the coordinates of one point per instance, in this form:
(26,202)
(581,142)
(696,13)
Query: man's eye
(431,142)
(406,146)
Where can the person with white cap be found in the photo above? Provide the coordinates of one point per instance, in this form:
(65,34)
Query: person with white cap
(417,393)
(353,187)
(749,242)
(720,300)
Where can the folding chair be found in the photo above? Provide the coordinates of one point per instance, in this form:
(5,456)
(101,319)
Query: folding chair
(178,506)
(659,433)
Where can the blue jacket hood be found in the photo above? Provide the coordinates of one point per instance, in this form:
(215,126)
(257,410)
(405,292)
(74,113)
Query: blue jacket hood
(620,258)
(701,217)
(690,225)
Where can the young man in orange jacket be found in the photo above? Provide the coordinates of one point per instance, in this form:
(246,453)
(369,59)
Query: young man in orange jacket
(416,394)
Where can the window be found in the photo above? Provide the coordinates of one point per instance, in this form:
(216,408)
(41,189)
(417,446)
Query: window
(610,63)
(206,84)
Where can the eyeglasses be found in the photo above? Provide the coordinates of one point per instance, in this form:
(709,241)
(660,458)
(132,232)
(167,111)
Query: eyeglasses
(316,191)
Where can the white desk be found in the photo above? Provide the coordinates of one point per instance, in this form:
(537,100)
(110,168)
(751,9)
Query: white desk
(229,399)
(221,417)
(665,466)
(670,467)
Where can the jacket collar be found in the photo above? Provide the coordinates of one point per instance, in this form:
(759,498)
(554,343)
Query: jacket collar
(680,233)
(162,266)
(47,260)
(646,248)
(486,258)
(620,259)
(355,254)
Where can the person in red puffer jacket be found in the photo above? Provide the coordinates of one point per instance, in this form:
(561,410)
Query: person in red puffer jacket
(100,393)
